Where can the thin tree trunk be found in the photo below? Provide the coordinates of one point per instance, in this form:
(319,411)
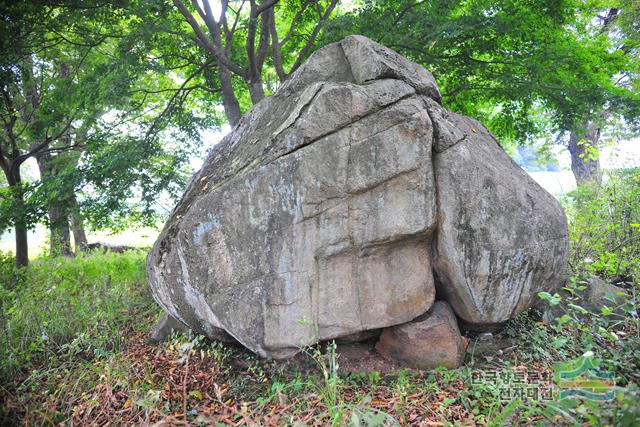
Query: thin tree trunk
(60,237)
(60,243)
(256,89)
(275,49)
(77,225)
(229,100)
(585,163)
(22,245)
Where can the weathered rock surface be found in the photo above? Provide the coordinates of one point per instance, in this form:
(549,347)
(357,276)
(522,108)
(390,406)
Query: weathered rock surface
(600,293)
(316,217)
(501,237)
(430,341)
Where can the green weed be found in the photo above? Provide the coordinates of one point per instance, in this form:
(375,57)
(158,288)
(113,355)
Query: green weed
(81,307)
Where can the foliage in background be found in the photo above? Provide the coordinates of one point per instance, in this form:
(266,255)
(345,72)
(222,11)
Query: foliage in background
(107,123)
(604,241)
(604,227)
(527,69)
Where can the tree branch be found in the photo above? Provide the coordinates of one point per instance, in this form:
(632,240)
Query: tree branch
(294,21)
(4,158)
(237,18)
(250,46)
(179,91)
(314,35)
(265,5)
(10,124)
(204,40)
(263,44)
(35,150)
(70,147)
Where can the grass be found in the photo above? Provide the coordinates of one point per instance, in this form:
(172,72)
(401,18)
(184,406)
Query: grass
(61,315)
(96,367)
(74,350)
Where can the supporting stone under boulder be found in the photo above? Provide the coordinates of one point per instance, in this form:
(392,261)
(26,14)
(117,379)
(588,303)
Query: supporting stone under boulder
(328,208)
(432,340)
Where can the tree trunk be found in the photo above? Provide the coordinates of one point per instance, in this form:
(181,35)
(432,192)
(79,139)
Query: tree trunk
(60,243)
(60,238)
(256,89)
(584,156)
(229,100)
(22,246)
(77,225)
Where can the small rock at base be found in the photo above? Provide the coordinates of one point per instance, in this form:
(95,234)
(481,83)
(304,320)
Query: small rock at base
(430,341)
(165,326)
(597,295)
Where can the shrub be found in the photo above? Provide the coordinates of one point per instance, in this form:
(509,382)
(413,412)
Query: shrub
(604,241)
(604,227)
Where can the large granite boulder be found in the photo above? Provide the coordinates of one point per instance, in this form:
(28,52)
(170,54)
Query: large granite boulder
(326,210)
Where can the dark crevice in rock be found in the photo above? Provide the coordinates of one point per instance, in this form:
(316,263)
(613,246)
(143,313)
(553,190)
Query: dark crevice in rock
(464,138)
(397,240)
(351,193)
(335,201)
(369,136)
(346,60)
(290,122)
(354,271)
(394,66)
(443,285)
(436,132)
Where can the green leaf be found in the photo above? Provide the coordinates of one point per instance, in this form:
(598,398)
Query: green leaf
(606,310)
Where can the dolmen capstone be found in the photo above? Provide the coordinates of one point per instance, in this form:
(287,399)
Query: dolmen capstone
(350,201)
